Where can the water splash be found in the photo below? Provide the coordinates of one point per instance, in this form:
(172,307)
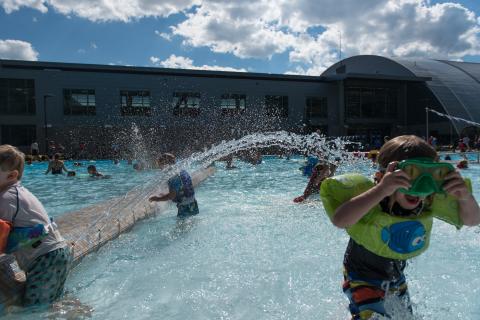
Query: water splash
(332,150)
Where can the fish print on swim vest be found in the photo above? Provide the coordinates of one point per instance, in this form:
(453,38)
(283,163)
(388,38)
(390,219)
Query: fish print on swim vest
(404,237)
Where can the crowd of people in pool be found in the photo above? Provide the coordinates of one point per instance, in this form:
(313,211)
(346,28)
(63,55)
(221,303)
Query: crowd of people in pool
(388,219)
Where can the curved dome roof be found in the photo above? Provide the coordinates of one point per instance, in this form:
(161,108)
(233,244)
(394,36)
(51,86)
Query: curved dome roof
(456,85)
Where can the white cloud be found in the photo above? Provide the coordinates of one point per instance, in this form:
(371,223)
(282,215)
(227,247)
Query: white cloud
(407,28)
(104,10)
(81,51)
(154,60)
(13,5)
(93,45)
(263,28)
(164,35)
(179,62)
(18,50)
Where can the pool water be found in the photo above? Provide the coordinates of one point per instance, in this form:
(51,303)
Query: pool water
(60,194)
(252,253)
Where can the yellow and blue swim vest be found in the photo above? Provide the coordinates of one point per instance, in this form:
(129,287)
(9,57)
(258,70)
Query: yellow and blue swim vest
(387,235)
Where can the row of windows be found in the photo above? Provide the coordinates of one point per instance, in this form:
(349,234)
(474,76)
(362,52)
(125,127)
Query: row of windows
(138,103)
(17,97)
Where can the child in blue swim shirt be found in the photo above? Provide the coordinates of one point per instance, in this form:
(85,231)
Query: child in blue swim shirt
(180,189)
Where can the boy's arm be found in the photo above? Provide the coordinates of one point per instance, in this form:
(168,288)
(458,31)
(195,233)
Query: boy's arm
(169,196)
(469,210)
(354,209)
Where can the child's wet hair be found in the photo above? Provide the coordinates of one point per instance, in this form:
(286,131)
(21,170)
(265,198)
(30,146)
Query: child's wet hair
(11,159)
(91,167)
(405,147)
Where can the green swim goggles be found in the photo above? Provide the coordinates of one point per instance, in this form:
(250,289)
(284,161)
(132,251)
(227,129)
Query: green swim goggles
(426,176)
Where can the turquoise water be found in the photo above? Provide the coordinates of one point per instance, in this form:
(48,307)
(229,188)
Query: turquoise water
(252,253)
(60,194)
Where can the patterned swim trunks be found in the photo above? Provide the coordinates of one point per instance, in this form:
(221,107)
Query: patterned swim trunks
(46,277)
(367,297)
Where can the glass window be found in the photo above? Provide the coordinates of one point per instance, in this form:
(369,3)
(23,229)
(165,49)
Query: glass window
(135,103)
(17,97)
(371,102)
(79,102)
(22,135)
(186,103)
(317,107)
(232,104)
(276,106)
(353,102)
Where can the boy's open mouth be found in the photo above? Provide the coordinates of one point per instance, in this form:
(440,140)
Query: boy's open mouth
(412,199)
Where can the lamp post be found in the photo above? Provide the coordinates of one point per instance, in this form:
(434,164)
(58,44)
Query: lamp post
(426,114)
(45,97)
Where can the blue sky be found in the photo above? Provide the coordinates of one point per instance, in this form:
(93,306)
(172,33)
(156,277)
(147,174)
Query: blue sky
(258,36)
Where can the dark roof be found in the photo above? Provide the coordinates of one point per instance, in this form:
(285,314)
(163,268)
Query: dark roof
(455,84)
(80,67)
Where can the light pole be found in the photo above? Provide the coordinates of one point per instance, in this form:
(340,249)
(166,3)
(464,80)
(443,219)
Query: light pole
(426,114)
(45,97)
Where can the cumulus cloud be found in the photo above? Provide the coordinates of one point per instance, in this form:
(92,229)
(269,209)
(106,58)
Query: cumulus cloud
(180,62)
(307,31)
(164,35)
(104,10)
(407,28)
(13,5)
(17,50)
(154,60)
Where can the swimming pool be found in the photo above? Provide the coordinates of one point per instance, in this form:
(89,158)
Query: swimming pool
(252,253)
(61,194)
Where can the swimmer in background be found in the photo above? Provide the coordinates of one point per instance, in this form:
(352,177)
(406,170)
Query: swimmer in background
(56,166)
(180,189)
(139,166)
(228,161)
(92,171)
(320,172)
(462,164)
(252,156)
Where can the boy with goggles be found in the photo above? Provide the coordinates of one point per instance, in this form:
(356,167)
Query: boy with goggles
(391,222)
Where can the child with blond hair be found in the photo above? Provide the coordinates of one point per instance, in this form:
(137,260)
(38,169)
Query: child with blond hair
(33,238)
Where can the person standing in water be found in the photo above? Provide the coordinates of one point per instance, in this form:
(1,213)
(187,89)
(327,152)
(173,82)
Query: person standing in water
(390,222)
(180,189)
(56,166)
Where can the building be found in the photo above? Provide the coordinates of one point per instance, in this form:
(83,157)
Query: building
(102,105)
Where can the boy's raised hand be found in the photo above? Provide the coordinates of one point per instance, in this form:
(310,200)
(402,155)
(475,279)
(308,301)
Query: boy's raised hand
(456,186)
(393,180)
